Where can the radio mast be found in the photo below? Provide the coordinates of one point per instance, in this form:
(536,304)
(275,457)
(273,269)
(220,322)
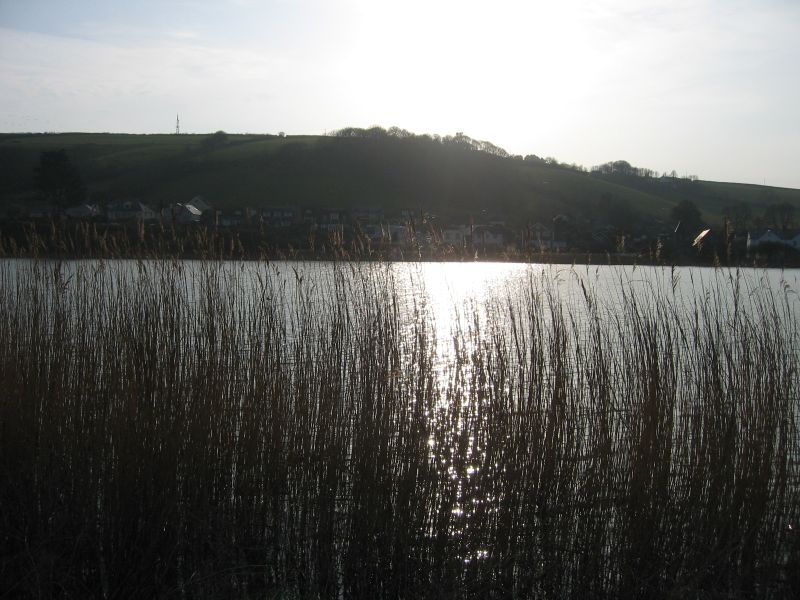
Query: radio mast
(177,125)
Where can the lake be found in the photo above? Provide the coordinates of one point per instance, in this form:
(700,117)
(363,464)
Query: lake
(366,429)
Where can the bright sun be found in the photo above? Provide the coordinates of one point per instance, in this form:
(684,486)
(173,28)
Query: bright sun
(433,66)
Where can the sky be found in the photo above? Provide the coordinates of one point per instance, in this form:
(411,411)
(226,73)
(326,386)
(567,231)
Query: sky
(703,87)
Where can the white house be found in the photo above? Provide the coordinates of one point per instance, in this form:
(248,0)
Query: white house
(786,238)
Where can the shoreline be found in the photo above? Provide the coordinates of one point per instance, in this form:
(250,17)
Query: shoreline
(575,259)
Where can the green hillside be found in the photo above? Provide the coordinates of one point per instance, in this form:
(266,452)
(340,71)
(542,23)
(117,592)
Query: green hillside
(441,176)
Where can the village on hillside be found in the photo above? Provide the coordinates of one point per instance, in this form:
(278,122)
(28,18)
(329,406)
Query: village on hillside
(409,232)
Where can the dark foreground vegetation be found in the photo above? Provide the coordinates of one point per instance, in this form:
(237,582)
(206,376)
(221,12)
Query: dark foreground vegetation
(195,430)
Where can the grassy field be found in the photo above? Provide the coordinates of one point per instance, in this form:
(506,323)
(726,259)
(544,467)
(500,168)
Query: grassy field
(261,170)
(199,430)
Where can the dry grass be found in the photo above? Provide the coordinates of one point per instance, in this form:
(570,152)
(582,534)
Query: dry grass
(193,430)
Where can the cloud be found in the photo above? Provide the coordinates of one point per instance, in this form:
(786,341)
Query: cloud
(100,86)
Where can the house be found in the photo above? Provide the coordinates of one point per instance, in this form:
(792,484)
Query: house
(495,237)
(181,213)
(234,219)
(200,204)
(280,216)
(376,234)
(537,230)
(129,210)
(83,211)
(540,238)
(769,236)
(400,235)
(367,215)
(455,236)
(331,217)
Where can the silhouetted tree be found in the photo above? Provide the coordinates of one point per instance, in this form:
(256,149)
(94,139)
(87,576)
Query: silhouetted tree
(739,215)
(399,133)
(375,132)
(619,168)
(688,215)
(623,167)
(219,138)
(786,213)
(779,216)
(58,180)
(617,212)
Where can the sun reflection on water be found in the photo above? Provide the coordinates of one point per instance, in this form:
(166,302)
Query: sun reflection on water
(456,299)
(458,303)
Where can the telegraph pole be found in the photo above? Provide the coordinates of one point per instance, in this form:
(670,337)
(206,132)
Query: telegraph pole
(177,125)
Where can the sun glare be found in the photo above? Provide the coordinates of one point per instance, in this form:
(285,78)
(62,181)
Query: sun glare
(442,64)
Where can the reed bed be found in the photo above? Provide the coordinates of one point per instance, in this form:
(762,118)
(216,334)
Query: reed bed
(203,430)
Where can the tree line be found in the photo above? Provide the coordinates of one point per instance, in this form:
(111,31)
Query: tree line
(459,140)
(623,168)
(775,215)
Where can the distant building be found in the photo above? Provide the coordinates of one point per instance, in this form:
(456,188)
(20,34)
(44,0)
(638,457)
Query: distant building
(400,235)
(495,237)
(129,210)
(538,237)
(376,234)
(237,217)
(83,211)
(181,213)
(280,216)
(455,236)
(200,204)
(327,219)
(604,236)
(769,236)
(367,215)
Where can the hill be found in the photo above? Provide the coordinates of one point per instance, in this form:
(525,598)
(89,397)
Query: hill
(454,178)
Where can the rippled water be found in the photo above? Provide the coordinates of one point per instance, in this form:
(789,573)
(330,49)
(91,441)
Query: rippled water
(458,301)
(498,401)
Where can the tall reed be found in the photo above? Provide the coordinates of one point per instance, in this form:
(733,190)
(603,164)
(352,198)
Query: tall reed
(206,429)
